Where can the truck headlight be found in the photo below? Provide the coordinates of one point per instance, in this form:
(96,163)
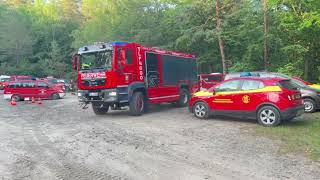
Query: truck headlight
(79,94)
(113,93)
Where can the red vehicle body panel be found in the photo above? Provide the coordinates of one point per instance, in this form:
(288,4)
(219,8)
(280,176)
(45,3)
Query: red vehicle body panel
(206,81)
(56,85)
(31,90)
(4,84)
(249,101)
(20,78)
(124,76)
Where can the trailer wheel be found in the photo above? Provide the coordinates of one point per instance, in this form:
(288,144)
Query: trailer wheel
(137,104)
(184,98)
(98,110)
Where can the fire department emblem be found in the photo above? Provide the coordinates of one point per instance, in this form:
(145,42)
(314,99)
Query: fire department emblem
(246,99)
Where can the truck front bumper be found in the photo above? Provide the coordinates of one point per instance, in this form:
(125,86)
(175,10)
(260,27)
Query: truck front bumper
(105,96)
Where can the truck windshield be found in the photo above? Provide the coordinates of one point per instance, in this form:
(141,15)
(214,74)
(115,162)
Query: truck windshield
(96,60)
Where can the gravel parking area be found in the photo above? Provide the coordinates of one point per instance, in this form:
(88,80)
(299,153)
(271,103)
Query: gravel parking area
(59,140)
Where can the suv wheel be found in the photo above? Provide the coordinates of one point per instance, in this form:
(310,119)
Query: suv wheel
(98,110)
(309,105)
(268,116)
(201,110)
(137,104)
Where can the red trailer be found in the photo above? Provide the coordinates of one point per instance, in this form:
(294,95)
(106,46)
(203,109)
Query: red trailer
(127,74)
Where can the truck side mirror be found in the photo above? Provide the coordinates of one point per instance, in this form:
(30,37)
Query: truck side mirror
(75,62)
(123,57)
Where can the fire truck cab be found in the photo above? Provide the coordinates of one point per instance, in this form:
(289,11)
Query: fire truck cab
(127,74)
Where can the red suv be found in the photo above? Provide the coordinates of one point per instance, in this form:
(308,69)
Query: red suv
(19,90)
(270,100)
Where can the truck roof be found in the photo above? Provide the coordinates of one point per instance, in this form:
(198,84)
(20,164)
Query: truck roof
(101,46)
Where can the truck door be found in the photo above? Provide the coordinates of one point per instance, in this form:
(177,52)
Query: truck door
(127,64)
(152,76)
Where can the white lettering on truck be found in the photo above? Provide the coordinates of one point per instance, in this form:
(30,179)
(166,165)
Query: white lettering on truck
(140,63)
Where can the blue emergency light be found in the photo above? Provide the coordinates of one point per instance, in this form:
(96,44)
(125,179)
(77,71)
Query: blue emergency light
(245,74)
(119,43)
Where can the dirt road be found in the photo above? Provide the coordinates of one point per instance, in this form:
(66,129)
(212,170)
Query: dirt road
(58,140)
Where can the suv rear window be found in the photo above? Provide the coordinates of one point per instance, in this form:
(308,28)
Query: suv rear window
(288,84)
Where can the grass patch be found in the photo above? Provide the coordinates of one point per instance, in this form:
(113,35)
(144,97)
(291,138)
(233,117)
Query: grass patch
(301,136)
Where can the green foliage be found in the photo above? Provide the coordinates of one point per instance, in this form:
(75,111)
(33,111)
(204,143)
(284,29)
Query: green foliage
(291,69)
(48,32)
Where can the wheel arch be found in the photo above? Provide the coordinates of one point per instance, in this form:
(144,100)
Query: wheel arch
(197,101)
(267,104)
(185,86)
(308,97)
(137,87)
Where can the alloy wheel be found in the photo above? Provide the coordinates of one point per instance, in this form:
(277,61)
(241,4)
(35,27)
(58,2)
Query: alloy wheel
(267,116)
(200,110)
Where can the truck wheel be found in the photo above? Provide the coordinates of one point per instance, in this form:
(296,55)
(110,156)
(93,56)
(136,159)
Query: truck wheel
(268,116)
(137,104)
(184,98)
(309,105)
(98,110)
(55,96)
(201,110)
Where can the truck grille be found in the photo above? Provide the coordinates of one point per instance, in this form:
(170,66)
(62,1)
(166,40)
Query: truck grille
(94,82)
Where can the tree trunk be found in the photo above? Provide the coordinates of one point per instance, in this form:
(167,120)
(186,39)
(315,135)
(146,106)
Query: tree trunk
(265,17)
(221,43)
(306,69)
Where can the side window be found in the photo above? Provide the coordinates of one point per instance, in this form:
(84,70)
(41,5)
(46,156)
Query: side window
(129,59)
(18,85)
(31,84)
(229,86)
(42,85)
(251,85)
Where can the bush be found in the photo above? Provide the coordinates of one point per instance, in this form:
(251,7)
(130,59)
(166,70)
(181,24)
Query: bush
(291,69)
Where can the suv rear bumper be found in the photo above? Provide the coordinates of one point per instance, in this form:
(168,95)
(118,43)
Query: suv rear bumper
(292,112)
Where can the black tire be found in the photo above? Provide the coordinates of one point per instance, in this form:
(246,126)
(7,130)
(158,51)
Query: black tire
(15,97)
(184,98)
(137,104)
(55,96)
(200,110)
(98,110)
(309,105)
(269,116)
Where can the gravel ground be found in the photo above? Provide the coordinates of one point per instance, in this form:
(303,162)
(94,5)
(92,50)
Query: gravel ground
(59,140)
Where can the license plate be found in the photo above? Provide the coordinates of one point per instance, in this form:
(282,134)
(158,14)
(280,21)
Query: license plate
(93,94)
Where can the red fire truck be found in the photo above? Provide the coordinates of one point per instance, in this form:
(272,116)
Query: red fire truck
(127,74)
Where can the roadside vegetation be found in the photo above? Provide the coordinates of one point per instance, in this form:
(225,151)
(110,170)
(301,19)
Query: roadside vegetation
(301,136)
(38,37)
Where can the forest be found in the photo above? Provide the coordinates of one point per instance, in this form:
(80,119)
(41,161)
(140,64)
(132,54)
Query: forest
(38,37)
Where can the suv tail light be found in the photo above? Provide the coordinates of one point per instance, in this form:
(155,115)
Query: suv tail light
(294,96)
